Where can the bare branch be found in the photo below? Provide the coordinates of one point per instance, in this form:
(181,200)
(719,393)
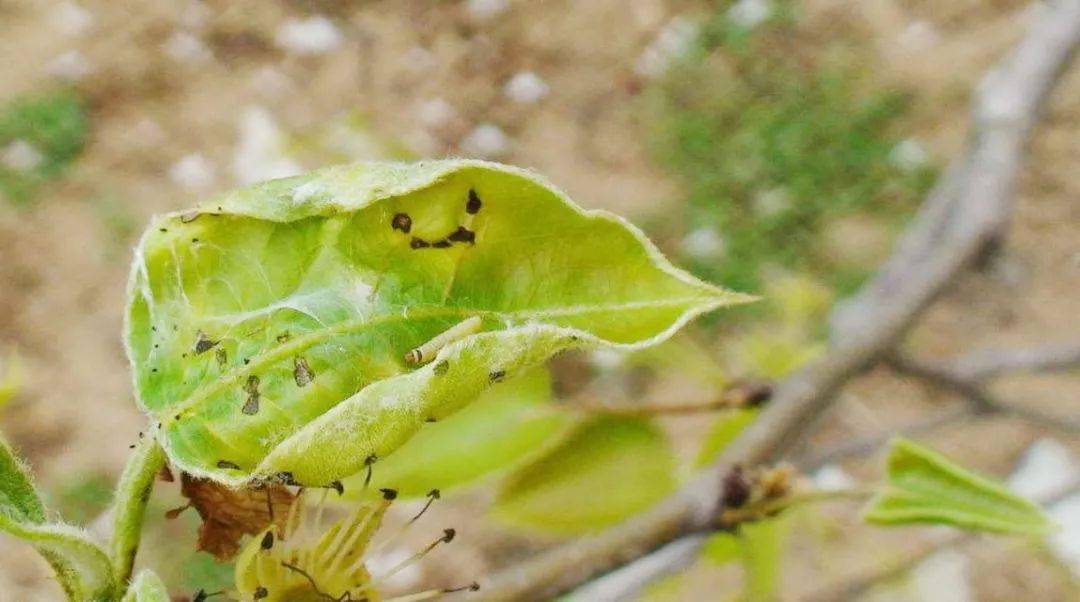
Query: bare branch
(966,210)
(976,393)
(986,364)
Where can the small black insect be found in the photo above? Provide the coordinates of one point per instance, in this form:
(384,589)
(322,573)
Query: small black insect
(448,535)
(267,541)
(338,487)
(389,494)
(442,244)
(472,206)
(496,376)
(302,372)
(463,234)
(225,464)
(419,243)
(203,343)
(402,222)
(260,593)
(163,229)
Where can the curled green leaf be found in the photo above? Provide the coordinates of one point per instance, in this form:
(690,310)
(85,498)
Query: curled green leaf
(506,426)
(287,330)
(922,486)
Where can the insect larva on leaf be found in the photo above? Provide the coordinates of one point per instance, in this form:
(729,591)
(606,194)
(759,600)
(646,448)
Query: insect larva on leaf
(427,351)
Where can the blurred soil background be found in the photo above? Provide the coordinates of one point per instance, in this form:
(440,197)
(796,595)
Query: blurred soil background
(775,147)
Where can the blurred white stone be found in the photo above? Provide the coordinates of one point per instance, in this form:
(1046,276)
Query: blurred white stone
(260,151)
(482,10)
(750,13)
(909,155)
(1066,541)
(704,244)
(383,563)
(436,113)
(943,577)
(314,35)
(20,155)
(186,47)
(771,202)
(672,42)
(70,19)
(833,478)
(270,82)
(193,172)
(918,36)
(526,88)
(71,66)
(1045,468)
(486,140)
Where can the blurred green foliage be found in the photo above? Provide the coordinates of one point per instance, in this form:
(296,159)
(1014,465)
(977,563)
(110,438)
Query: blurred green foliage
(608,470)
(51,128)
(772,136)
(83,497)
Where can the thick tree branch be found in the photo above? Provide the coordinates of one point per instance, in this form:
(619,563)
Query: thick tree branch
(969,208)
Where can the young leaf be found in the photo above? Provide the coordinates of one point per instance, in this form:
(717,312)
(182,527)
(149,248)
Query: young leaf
(82,568)
(606,471)
(504,427)
(268,329)
(147,587)
(762,555)
(925,487)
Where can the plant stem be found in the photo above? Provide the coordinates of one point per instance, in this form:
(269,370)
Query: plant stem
(129,505)
(735,516)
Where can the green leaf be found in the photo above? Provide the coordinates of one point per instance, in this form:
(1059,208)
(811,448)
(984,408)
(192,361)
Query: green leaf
(82,567)
(507,425)
(147,587)
(606,471)
(306,293)
(923,486)
(762,554)
(723,431)
(722,548)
